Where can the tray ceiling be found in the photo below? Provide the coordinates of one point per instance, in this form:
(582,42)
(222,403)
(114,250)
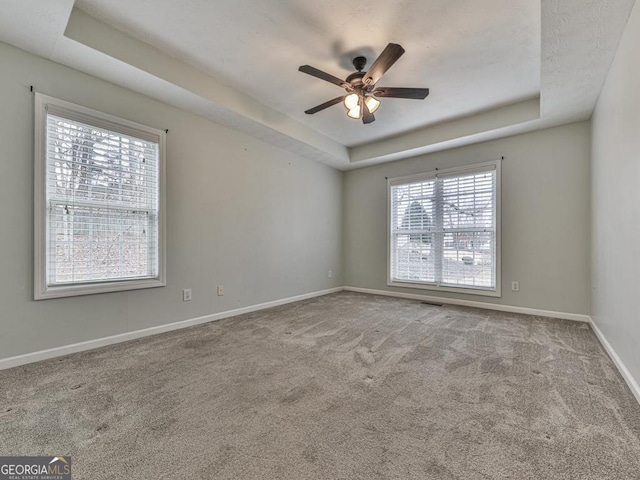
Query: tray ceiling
(494,67)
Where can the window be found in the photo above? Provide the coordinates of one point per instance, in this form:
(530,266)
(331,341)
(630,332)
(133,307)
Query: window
(445,230)
(99,209)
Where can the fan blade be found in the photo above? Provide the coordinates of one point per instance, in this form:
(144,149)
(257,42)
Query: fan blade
(327,77)
(413,93)
(388,57)
(367,116)
(324,105)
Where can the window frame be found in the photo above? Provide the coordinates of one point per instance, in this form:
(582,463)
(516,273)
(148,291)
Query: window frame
(42,290)
(497,291)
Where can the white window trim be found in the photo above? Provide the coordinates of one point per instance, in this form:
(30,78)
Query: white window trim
(41,289)
(497,292)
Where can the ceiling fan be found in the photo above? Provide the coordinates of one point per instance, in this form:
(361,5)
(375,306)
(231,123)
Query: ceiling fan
(361,88)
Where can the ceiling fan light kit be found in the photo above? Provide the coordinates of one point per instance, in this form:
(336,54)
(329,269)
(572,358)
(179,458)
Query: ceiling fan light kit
(352,103)
(360,100)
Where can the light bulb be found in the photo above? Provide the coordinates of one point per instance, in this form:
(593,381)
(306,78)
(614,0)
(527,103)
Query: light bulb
(354,112)
(351,101)
(372,104)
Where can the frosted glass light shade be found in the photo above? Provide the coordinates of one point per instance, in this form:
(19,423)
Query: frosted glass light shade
(372,104)
(351,101)
(354,112)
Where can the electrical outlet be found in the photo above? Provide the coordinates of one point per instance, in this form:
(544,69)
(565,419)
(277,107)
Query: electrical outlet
(515,286)
(186,295)
(330,274)
(220,290)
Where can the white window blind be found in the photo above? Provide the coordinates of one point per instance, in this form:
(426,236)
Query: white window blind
(101,201)
(443,230)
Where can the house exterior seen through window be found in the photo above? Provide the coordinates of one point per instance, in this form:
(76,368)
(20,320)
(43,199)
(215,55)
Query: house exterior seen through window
(444,230)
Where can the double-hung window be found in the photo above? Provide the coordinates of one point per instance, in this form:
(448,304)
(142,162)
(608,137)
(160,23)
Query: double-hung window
(444,230)
(98,202)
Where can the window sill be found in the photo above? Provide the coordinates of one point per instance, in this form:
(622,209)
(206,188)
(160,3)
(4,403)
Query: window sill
(46,292)
(450,289)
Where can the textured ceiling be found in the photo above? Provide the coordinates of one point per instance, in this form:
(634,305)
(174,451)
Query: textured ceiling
(472,55)
(495,67)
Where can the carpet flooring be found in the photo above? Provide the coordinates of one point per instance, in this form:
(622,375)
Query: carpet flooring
(345,386)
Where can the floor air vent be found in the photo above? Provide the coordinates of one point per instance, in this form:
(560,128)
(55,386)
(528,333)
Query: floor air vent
(433,304)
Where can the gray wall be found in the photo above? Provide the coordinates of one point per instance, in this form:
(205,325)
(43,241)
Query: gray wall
(269,224)
(615,259)
(545,218)
(264,222)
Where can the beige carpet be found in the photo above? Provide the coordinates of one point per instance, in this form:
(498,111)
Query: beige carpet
(346,386)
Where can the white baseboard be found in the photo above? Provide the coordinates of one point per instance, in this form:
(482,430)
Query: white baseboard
(123,337)
(622,368)
(468,303)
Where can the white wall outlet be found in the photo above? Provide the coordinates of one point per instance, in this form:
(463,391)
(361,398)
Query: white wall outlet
(515,286)
(220,290)
(186,295)
(330,274)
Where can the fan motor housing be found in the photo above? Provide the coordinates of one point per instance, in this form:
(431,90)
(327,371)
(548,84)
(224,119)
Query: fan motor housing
(355,79)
